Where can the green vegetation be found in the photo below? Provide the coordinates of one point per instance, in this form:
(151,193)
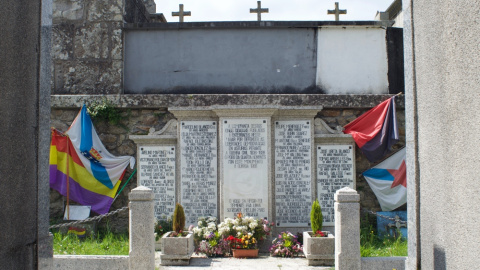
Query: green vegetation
(105,110)
(178,218)
(106,243)
(316,217)
(372,246)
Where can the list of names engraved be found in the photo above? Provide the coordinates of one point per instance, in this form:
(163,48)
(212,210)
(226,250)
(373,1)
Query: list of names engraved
(293,174)
(334,171)
(198,149)
(156,168)
(245,167)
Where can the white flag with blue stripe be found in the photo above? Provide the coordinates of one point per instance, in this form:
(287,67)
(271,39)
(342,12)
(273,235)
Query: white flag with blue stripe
(105,167)
(388,180)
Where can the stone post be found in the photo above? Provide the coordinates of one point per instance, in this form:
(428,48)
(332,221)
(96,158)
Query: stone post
(142,240)
(347,230)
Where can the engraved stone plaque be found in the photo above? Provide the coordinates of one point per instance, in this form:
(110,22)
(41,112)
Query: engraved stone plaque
(245,167)
(198,150)
(334,171)
(293,173)
(156,170)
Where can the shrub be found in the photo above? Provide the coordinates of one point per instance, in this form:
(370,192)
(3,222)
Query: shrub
(178,218)
(316,217)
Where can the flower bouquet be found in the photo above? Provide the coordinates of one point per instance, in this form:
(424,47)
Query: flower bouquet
(286,245)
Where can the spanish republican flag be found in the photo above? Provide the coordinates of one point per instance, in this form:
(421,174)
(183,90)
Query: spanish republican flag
(375,131)
(82,169)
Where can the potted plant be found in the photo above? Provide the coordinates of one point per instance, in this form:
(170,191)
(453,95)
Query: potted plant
(177,245)
(318,245)
(245,246)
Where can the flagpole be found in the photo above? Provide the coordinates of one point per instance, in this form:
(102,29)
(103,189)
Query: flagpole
(68,180)
(134,171)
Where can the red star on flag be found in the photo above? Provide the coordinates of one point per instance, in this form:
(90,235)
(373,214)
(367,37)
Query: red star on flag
(399,175)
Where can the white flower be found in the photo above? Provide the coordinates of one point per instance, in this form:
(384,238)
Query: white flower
(199,223)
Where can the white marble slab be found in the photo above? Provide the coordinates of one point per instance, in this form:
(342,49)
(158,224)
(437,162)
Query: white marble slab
(156,170)
(293,173)
(245,167)
(335,170)
(198,176)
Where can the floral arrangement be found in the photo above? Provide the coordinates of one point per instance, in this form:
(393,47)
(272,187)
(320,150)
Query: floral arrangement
(162,226)
(240,232)
(319,234)
(244,242)
(285,245)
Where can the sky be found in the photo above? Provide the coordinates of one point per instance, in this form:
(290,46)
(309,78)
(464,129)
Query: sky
(279,10)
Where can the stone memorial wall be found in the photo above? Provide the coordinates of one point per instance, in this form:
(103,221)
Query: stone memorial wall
(260,162)
(198,169)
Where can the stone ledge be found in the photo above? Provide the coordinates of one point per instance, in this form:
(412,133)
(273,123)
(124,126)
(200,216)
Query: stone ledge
(374,263)
(66,262)
(158,101)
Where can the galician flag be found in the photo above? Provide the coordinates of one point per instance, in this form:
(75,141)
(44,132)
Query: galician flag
(82,169)
(104,166)
(376,130)
(388,180)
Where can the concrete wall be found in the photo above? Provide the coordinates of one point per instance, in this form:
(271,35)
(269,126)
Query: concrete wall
(443,93)
(245,57)
(352,60)
(25,28)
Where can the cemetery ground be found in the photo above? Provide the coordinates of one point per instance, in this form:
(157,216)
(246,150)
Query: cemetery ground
(106,242)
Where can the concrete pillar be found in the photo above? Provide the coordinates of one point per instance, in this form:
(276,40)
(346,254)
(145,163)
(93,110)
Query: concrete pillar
(347,230)
(141,229)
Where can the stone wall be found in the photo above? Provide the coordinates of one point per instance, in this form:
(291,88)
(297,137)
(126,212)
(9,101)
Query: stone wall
(87,44)
(137,121)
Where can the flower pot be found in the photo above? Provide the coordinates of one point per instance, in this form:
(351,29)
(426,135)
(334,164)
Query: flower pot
(245,253)
(176,250)
(319,251)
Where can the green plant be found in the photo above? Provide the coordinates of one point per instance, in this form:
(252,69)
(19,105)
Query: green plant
(178,218)
(316,217)
(162,226)
(104,110)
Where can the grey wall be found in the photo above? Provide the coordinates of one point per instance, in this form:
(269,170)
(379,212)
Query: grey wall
(443,93)
(24,133)
(220,61)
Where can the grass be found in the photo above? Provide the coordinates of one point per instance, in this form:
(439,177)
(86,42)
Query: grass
(372,246)
(106,243)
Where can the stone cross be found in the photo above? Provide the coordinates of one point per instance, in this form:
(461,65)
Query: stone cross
(181,13)
(337,12)
(259,10)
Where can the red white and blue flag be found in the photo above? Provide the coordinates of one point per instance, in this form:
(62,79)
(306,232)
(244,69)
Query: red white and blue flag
(388,180)
(375,131)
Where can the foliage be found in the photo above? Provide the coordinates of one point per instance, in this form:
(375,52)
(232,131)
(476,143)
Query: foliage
(316,217)
(372,246)
(246,241)
(104,110)
(178,218)
(286,245)
(101,244)
(217,240)
(163,226)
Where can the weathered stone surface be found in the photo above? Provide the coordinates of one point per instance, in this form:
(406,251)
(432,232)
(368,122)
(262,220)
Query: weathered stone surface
(104,11)
(68,10)
(62,41)
(91,41)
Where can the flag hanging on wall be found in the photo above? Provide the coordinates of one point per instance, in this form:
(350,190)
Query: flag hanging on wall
(376,130)
(388,180)
(93,173)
